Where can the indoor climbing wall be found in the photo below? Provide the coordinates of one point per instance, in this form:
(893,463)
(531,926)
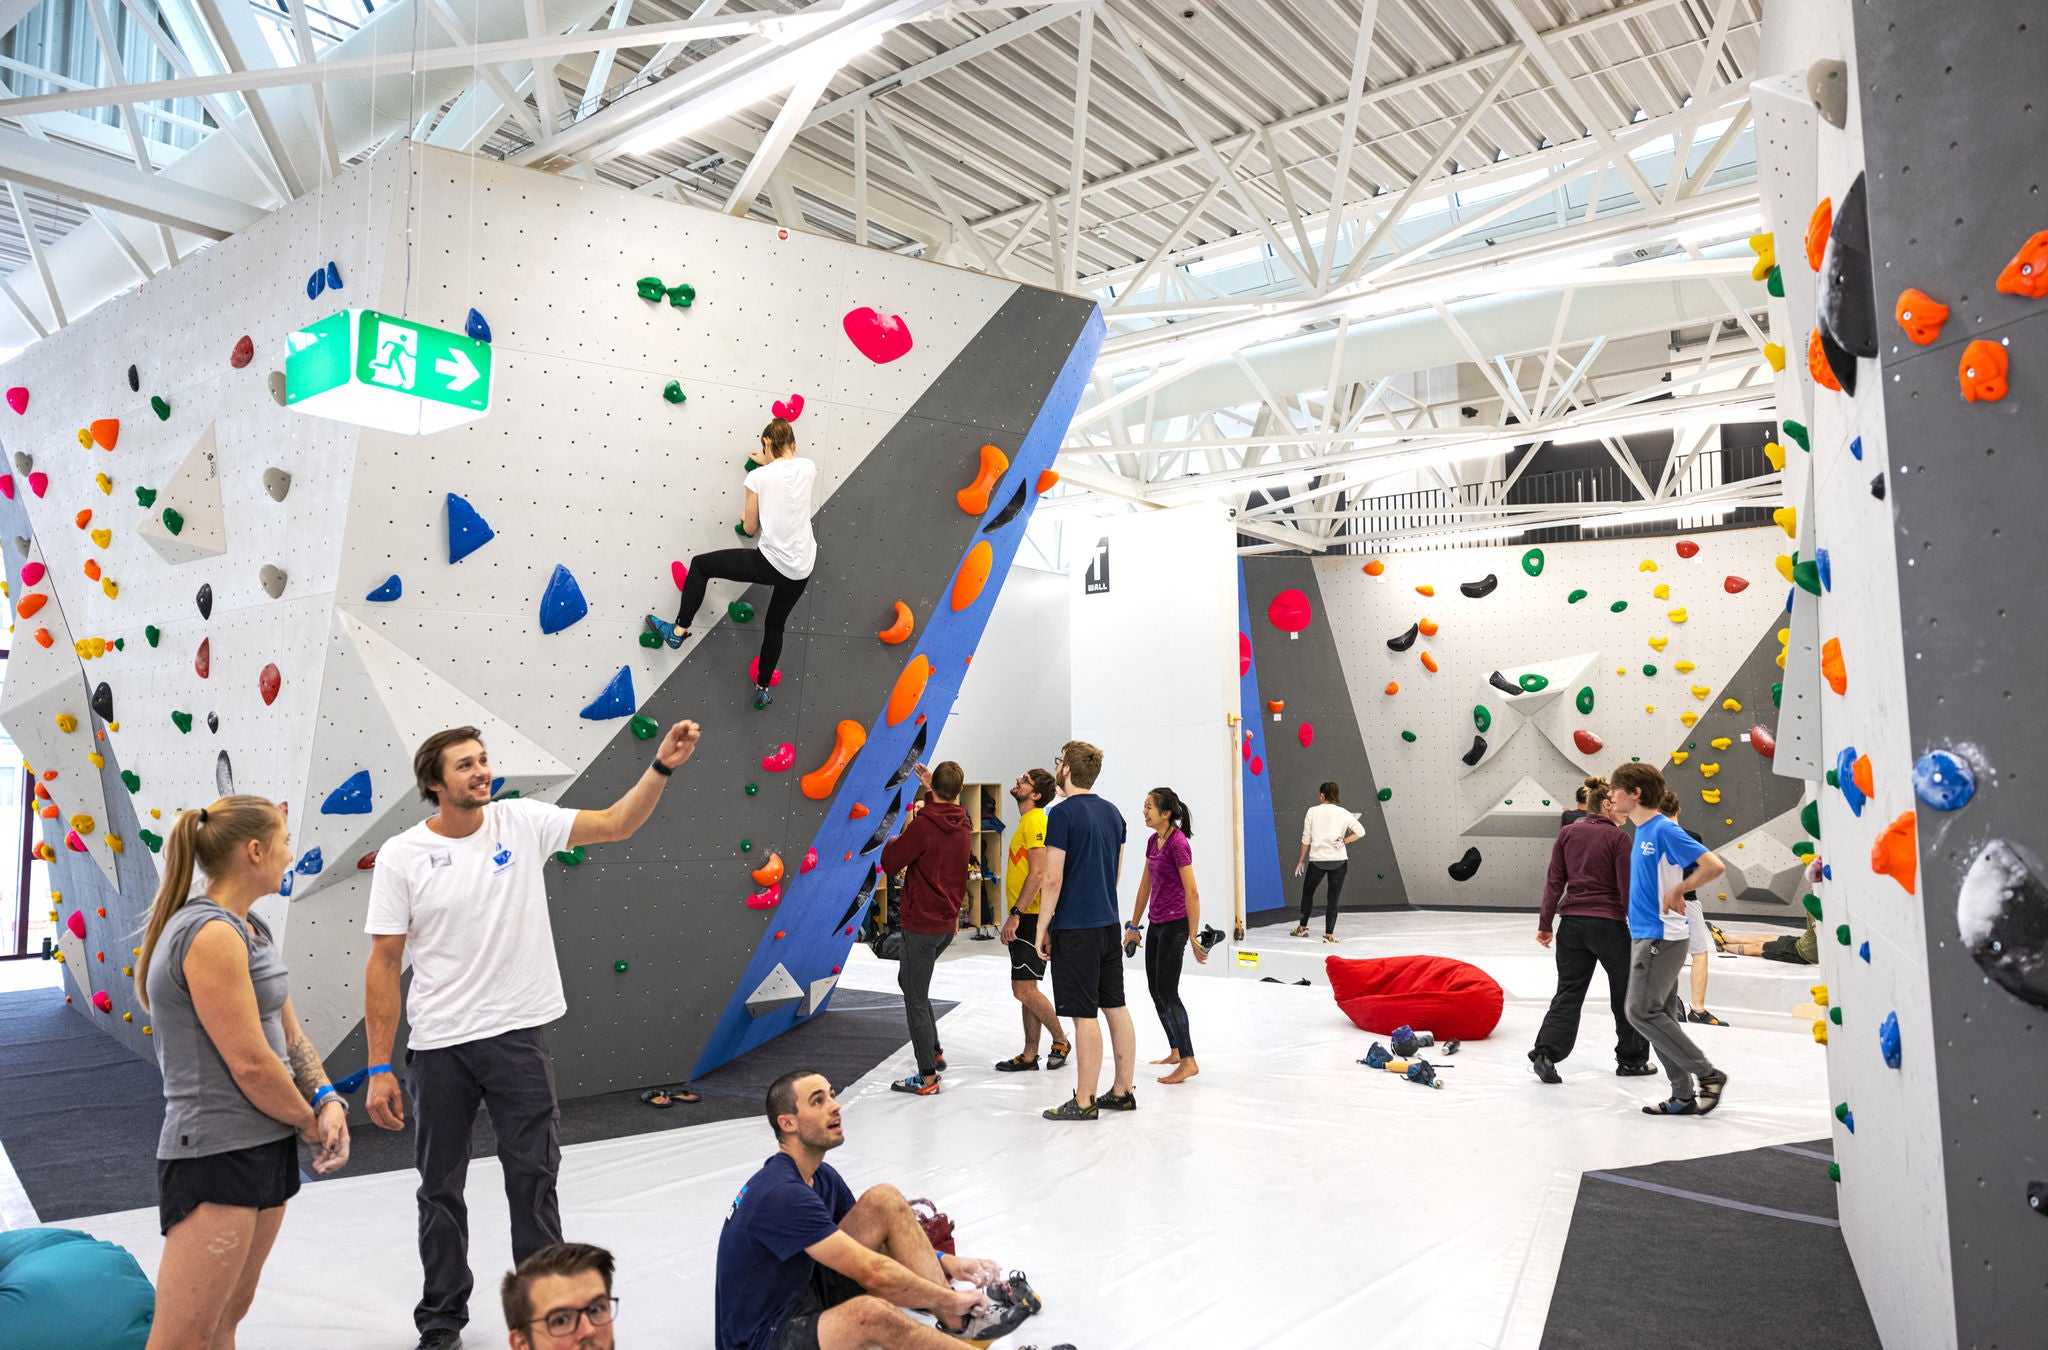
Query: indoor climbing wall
(303,633)
(1651,649)
(1265,885)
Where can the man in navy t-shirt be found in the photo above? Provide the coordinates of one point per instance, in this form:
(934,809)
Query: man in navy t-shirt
(1077,931)
(801,1263)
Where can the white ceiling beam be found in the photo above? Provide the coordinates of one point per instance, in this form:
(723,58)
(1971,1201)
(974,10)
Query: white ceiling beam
(232,30)
(547,89)
(1347,142)
(802,98)
(85,176)
(302,35)
(944,61)
(35,252)
(256,156)
(1084,61)
(961,232)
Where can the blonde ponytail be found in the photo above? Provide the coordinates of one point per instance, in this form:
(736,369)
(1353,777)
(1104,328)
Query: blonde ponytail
(207,838)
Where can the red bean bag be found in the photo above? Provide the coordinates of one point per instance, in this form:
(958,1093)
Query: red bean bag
(1454,999)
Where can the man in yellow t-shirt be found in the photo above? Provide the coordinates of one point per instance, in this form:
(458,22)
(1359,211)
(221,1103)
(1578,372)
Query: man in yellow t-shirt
(1034,790)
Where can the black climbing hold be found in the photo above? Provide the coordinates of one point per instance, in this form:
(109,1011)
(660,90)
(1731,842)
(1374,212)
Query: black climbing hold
(1847,299)
(1011,510)
(1877,487)
(135,379)
(1504,684)
(1405,641)
(103,702)
(1477,752)
(224,775)
(860,898)
(1839,361)
(1465,868)
(2002,913)
(904,770)
(2037,1197)
(885,829)
(213,723)
(205,600)
(1480,589)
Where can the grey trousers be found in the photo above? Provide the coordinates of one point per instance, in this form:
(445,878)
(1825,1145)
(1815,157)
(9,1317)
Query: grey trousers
(914,978)
(1654,967)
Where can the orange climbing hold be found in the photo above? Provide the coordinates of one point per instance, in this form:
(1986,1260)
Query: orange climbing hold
(973,498)
(1047,481)
(1817,364)
(770,872)
(909,689)
(43,638)
(898,631)
(1393,688)
(1921,315)
(92,569)
(2027,273)
(846,743)
(859,812)
(1276,705)
(1831,667)
(1425,590)
(30,604)
(973,575)
(1864,776)
(1429,663)
(1818,226)
(1982,372)
(1896,854)
(1375,568)
(1427,628)
(106,431)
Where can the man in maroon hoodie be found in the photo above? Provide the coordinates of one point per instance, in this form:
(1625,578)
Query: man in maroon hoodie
(1588,884)
(932,853)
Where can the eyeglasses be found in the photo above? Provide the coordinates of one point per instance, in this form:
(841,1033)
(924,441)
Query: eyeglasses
(562,1321)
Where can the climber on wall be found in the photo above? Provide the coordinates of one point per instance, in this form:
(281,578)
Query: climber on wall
(778,513)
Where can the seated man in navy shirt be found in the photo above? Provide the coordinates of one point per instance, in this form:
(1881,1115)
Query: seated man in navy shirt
(802,1265)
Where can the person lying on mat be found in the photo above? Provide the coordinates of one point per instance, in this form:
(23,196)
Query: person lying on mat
(1801,950)
(802,1265)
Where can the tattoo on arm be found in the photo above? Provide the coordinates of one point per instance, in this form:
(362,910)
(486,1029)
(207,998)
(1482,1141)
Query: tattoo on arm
(306,1068)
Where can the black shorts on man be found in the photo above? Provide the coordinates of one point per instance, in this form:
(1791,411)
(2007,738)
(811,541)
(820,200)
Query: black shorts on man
(1087,970)
(1025,962)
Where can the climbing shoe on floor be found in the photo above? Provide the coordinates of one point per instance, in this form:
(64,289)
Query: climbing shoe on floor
(1720,938)
(1019,1064)
(1016,1292)
(1071,1109)
(1677,1106)
(916,1085)
(1711,1085)
(1704,1018)
(1299,930)
(1643,1070)
(1109,1101)
(1545,1070)
(670,634)
(1058,1058)
(1330,937)
(990,1323)
(762,698)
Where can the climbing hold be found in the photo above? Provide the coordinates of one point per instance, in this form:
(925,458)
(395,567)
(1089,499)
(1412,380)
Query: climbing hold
(1896,854)
(1393,687)
(1809,818)
(130,780)
(17,399)
(644,727)
(476,326)
(1425,590)
(92,569)
(1824,566)
(1700,691)
(1386,794)
(1465,868)
(847,740)
(1533,684)
(2002,913)
(1774,286)
(183,720)
(277,483)
(900,630)
(31,605)
(107,430)
(1842,776)
(1832,668)
(1774,352)
(352,798)
(1408,736)
(153,633)
(1788,520)
(1734,585)
(1504,684)
(1482,717)
(104,1001)
(1818,223)
(858,812)
(1617,607)
(1588,743)
(651,288)
(909,688)
(1711,796)
(1662,591)
(1709,770)
(779,761)
(2027,273)
(1374,568)
(1047,480)
(1888,1040)
(1532,562)
(244,352)
(1429,663)
(673,392)
(881,339)
(973,499)
(202,660)
(467,530)
(1678,615)
(1574,597)
(174,520)
(739,611)
(562,603)
(1775,453)
(279,391)
(204,599)
(1687,718)
(1244,654)
(160,407)
(268,681)
(754,674)
(770,872)
(972,576)
(66,723)
(1846,1116)
(1731,705)
(1806,574)
(332,276)
(572,857)
(1480,589)
(1306,734)
(682,296)
(616,701)
(1720,742)
(1477,752)
(788,409)
(1817,363)
(38,482)
(1684,667)
(1276,706)
(1877,486)
(103,702)
(1920,315)
(1982,372)
(1943,780)
(272,578)
(390,590)
(1426,628)
(1289,611)
(223,773)
(1405,641)
(1765,248)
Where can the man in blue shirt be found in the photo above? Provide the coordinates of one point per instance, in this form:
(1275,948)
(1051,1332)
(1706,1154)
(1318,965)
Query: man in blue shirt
(1077,931)
(1658,936)
(802,1265)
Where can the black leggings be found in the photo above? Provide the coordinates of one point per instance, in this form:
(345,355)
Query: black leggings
(1165,945)
(744,564)
(1322,871)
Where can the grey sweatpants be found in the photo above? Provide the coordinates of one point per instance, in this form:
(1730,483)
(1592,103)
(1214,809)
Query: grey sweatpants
(1653,969)
(914,978)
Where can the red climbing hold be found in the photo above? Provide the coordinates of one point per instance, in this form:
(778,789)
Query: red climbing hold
(203,662)
(1921,315)
(678,574)
(244,352)
(1896,854)
(76,923)
(268,681)
(103,1001)
(1832,668)
(1763,742)
(788,409)
(1817,364)
(73,842)
(2027,273)
(1244,655)
(1982,372)
(810,861)
(32,573)
(368,862)
(1588,743)
(1734,585)
(7,486)
(1306,735)
(17,399)
(767,899)
(1687,548)
(754,674)
(973,498)
(880,339)
(779,762)
(38,482)
(1048,480)
(1257,765)
(1289,611)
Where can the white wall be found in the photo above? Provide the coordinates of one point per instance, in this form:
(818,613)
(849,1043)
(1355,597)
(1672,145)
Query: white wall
(1015,707)
(1155,681)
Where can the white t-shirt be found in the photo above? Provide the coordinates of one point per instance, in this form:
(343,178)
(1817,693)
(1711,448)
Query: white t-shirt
(784,488)
(1323,830)
(1676,926)
(474,913)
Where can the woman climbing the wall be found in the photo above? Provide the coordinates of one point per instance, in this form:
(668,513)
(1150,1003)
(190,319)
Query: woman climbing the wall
(1167,888)
(778,513)
(240,1077)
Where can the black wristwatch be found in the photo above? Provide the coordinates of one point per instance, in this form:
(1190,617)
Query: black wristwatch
(659,767)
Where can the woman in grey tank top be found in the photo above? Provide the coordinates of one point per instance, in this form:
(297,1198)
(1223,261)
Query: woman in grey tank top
(241,1080)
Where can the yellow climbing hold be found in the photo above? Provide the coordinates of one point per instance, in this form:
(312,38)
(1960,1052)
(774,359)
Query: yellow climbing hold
(1678,615)
(113,726)
(154,814)
(102,538)
(1621,670)
(1700,691)
(1784,637)
(1649,707)
(99,761)
(1663,591)
(1689,718)
(1820,1031)
(114,843)
(1781,658)
(1709,770)
(1785,566)
(1659,642)
(82,823)
(1647,565)
(1684,667)
(1774,352)
(1775,453)
(1788,520)
(108,585)
(66,723)
(1711,796)
(1765,247)
(1730,705)
(1680,756)
(106,483)
(1720,742)
(85,437)
(1820,994)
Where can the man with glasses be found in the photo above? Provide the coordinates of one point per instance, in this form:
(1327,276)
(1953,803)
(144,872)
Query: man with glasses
(560,1298)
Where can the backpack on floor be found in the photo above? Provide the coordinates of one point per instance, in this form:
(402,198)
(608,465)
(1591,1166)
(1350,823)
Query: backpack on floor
(937,1226)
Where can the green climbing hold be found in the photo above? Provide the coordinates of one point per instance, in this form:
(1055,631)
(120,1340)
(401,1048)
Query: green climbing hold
(130,781)
(1834,780)
(1809,818)
(650,288)
(1835,1014)
(158,406)
(174,521)
(145,497)
(1777,695)
(750,465)
(746,846)
(1842,934)
(682,296)
(1546,801)
(1807,574)
(673,391)
(1408,736)
(1532,562)
(619,967)
(1802,849)
(739,611)
(572,857)
(753,789)
(120,644)
(1649,670)
(153,842)
(1586,699)
(1797,431)
(1775,283)
(1574,597)
(1617,607)
(650,640)
(1811,903)
(1533,684)
(1482,718)
(502,796)
(153,633)
(1842,1112)
(1386,794)
(644,727)
(1834,1171)
(184,721)
(1510,801)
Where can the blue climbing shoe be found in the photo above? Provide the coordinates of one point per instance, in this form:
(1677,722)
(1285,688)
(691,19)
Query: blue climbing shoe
(762,698)
(670,634)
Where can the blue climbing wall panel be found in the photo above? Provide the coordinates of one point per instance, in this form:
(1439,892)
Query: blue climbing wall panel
(1264,883)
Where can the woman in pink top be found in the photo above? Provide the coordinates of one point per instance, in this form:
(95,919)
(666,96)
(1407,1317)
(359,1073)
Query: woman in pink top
(1168,885)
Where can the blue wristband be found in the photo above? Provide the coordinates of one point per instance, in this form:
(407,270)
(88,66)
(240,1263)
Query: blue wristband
(322,1093)
(376,1069)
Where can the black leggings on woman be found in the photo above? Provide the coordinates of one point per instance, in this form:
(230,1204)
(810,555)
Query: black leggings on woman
(744,564)
(1322,871)
(1165,945)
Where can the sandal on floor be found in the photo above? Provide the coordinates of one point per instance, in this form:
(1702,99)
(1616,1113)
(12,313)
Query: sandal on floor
(1677,1106)
(1299,930)
(1331,937)
(663,1098)
(1710,1090)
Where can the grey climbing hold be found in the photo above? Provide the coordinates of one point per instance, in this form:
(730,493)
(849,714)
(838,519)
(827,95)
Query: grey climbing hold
(1504,684)
(1405,641)
(2002,913)
(213,723)
(134,379)
(272,577)
(1465,868)
(278,389)
(1477,752)
(21,544)
(1827,86)
(224,775)
(276,482)
(776,991)
(23,463)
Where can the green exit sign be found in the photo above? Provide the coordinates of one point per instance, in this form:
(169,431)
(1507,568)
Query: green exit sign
(378,371)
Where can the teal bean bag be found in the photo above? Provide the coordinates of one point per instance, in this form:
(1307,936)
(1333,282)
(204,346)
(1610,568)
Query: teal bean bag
(59,1286)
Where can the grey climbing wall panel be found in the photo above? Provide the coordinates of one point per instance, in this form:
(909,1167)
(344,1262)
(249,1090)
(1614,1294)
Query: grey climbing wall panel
(1750,793)
(1952,99)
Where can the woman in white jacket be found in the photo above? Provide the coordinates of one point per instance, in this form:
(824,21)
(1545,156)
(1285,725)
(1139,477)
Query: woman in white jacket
(1326,832)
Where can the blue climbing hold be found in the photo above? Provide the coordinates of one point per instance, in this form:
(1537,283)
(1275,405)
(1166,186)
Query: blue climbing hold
(352,798)
(1827,871)
(1944,781)
(476,327)
(1790,594)
(314,285)
(390,590)
(333,276)
(311,863)
(284,885)
(1856,447)
(1827,573)
(1864,951)
(562,604)
(1888,1039)
(1848,1118)
(617,699)
(467,531)
(349,1084)
(497,785)
(1845,779)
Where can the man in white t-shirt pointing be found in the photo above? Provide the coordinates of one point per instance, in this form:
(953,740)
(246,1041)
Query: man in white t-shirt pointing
(464,889)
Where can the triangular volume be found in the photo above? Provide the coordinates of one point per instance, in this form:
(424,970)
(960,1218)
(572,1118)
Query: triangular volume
(779,990)
(1528,810)
(1762,868)
(815,996)
(75,962)
(1544,683)
(189,523)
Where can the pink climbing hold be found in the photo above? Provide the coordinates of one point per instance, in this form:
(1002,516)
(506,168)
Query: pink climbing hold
(39,482)
(790,409)
(1244,654)
(1258,765)
(810,861)
(17,399)
(73,842)
(103,1001)
(754,673)
(767,899)
(1245,750)
(880,338)
(1306,735)
(7,486)
(779,762)
(1289,611)
(678,574)
(32,572)
(76,923)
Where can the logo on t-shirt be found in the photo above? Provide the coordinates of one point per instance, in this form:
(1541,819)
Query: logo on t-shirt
(440,857)
(736,1204)
(1649,848)
(503,857)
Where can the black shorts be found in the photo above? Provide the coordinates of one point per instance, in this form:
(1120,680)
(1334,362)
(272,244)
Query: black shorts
(1087,970)
(1025,962)
(827,1290)
(1784,949)
(262,1176)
